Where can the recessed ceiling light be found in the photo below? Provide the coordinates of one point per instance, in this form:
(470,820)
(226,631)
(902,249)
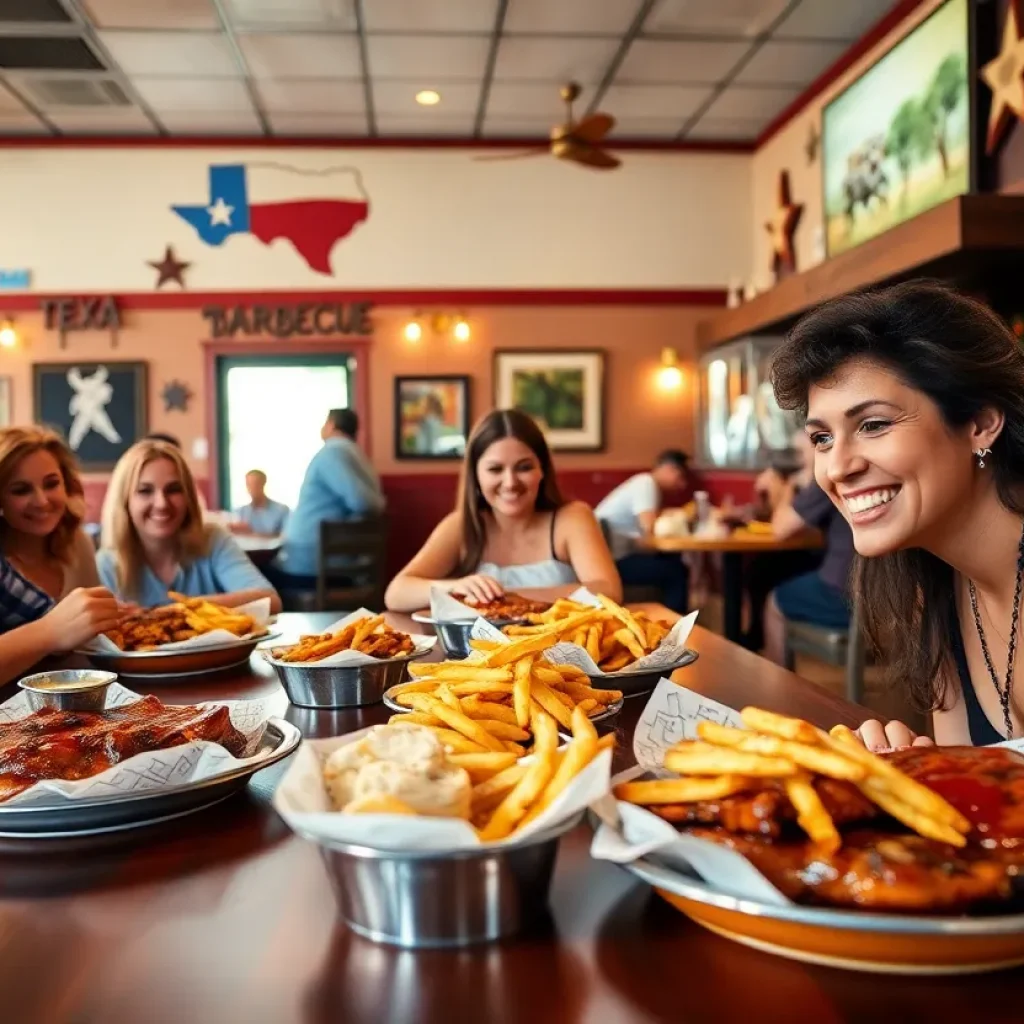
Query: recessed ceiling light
(428,97)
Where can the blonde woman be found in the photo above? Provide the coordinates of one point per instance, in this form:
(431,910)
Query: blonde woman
(50,597)
(154,539)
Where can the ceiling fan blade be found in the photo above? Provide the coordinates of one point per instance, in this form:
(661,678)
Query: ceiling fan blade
(539,151)
(593,128)
(591,157)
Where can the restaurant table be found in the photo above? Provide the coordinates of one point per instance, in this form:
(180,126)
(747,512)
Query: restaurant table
(225,916)
(732,548)
(260,549)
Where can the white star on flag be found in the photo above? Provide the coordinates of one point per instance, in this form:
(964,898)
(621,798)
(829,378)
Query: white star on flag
(220,212)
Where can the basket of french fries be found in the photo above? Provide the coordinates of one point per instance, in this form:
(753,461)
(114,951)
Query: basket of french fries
(349,665)
(611,644)
(190,635)
(781,834)
(490,702)
(431,843)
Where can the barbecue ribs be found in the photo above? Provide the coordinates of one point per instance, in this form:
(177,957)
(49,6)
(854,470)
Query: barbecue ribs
(71,745)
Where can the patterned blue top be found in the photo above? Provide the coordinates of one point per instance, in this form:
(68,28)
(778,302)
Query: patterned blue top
(21,601)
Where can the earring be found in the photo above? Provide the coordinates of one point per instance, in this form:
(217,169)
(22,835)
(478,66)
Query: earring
(980,453)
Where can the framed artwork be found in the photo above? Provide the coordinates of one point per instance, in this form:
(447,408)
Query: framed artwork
(562,389)
(100,408)
(6,402)
(431,417)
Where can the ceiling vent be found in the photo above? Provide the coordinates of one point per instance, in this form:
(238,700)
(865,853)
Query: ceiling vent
(50,93)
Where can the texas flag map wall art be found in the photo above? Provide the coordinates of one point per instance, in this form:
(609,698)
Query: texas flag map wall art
(313,210)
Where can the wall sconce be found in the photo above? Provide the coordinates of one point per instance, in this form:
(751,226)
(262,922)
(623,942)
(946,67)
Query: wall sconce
(457,326)
(670,376)
(8,334)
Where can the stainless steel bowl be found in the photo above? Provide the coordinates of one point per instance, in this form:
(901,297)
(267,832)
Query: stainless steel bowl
(309,685)
(455,636)
(424,899)
(77,689)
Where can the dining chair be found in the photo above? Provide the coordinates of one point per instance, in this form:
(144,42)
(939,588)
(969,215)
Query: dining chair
(842,647)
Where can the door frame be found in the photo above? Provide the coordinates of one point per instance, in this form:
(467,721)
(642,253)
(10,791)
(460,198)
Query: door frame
(357,348)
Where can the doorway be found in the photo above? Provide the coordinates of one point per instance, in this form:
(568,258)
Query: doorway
(270,409)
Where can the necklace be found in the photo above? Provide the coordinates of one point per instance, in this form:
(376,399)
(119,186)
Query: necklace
(1011,647)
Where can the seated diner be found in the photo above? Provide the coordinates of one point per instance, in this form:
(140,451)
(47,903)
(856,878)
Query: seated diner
(512,529)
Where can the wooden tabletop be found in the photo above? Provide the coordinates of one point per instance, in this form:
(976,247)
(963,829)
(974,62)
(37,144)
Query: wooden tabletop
(226,916)
(740,541)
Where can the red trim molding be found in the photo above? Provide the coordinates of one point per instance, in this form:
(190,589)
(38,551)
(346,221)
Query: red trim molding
(26,302)
(870,39)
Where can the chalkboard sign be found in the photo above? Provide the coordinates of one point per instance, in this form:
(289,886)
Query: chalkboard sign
(99,408)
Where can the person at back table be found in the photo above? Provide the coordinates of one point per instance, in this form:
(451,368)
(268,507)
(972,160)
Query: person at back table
(154,539)
(340,483)
(512,529)
(629,513)
(262,517)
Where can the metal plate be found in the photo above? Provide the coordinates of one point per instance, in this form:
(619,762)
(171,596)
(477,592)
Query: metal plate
(852,939)
(426,619)
(186,662)
(65,818)
(389,699)
(634,683)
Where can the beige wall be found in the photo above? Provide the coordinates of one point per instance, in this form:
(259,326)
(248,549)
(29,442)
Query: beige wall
(640,417)
(785,151)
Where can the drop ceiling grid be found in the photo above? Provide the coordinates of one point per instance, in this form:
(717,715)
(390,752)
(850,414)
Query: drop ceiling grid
(666,69)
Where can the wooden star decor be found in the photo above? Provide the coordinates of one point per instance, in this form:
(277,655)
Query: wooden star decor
(169,269)
(782,227)
(176,395)
(812,143)
(1004,75)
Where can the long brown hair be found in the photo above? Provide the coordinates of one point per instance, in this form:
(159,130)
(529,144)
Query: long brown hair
(496,426)
(959,354)
(118,531)
(16,444)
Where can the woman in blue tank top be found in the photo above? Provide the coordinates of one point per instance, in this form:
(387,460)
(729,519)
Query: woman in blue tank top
(512,529)
(914,398)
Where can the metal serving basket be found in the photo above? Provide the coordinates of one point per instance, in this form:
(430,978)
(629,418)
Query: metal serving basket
(456,634)
(309,685)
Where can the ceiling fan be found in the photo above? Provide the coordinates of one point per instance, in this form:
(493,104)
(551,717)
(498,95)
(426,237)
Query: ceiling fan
(575,140)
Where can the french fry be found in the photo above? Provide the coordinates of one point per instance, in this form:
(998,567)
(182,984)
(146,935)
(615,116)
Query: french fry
(579,753)
(452,739)
(461,672)
(625,617)
(681,791)
(811,814)
(509,653)
(497,786)
(779,725)
(502,730)
(521,691)
(456,720)
(477,708)
(444,692)
(419,718)
(626,638)
(545,697)
(482,767)
(690,758)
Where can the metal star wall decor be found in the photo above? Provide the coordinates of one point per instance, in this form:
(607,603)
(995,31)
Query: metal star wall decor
(176,395)
(1004,75)
(812,143)
(169,269)
(782,227)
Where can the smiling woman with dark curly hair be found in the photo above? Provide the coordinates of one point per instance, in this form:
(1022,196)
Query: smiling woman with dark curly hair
(914,397)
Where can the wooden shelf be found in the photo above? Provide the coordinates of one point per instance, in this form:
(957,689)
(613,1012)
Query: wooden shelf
(966,239)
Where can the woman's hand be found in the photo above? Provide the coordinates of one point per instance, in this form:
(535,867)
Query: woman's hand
(84,613)
(480,588)
(892,736)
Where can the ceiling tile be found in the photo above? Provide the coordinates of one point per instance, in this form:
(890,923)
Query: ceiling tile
(183,94)
(752,103)
(429,127)
(318,124)
(337,15)
(14,123)
(525,58)
(457,98)
(743,18)
(323,96)
(431,58)
(827,19)
(790,63)
(431,15)
(727,128)
(517,127)
(663,61)
(211,122)
(10,103)
(127,120)
(647,101)
(302,55)
(182,14)
(579,17)
(666,128)
(171,53)
(51,11)
(529,99)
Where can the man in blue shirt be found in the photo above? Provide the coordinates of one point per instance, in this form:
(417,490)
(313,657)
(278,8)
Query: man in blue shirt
(339,483)
(262,517)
